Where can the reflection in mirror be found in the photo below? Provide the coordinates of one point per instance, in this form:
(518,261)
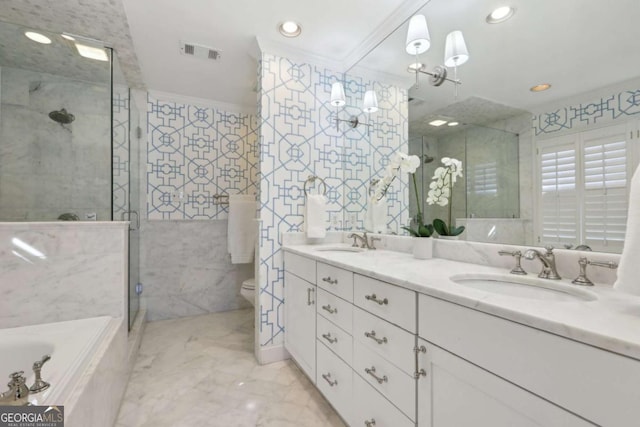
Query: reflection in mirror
(55,129)
(575,142)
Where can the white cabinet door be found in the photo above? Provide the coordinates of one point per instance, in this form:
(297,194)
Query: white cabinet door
(300,322)
(453,393)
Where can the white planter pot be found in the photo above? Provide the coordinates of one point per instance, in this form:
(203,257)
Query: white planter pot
(422,247)
(449,237)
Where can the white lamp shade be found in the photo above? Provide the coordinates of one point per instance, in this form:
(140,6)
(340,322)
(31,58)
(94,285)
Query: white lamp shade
(418,39)
(370,104)
(455,50)
(337,95)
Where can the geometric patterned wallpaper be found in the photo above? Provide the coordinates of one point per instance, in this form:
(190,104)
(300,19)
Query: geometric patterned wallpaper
(120,164)
(298,138)
(619,105)
(195,153)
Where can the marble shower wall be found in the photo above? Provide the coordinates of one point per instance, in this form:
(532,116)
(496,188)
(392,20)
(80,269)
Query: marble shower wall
(37,182)
(198,150)
(120,162)
(50,272)
(298,138)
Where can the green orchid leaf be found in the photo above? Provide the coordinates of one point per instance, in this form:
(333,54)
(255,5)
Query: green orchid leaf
(411,231)
(440,227)
(425,230)
(455,231)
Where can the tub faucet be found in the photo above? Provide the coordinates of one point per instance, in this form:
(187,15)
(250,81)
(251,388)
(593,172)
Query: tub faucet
(18,393)
(548,260)
(39,385)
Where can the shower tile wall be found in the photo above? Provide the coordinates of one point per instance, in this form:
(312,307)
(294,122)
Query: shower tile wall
(199,151)
(299,138)
(68,271)
(36,180)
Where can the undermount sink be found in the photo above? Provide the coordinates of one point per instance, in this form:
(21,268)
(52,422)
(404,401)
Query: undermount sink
(525,287)
(339,248)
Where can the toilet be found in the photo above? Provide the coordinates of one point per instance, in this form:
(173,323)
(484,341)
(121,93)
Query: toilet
(248,290)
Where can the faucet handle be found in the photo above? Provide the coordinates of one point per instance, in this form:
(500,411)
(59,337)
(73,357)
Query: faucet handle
(549,249)
(518,256)
(17,378)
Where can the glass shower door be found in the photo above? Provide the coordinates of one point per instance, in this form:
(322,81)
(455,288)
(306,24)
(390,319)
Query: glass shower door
(135,288)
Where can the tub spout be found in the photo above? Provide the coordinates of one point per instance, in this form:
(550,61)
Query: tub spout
(18,393)
(39,385)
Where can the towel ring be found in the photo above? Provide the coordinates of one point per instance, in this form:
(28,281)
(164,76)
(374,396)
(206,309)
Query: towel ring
(312,179)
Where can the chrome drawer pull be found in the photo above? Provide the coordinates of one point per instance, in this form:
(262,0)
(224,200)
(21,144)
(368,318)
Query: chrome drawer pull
(329,309)
(372,371)
(330,281)
(374,298)
(370,423)
(309,290)
(328,338)
(372,335)
(327,378)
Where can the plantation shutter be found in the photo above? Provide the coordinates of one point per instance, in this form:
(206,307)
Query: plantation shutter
(559,201)
(605,192)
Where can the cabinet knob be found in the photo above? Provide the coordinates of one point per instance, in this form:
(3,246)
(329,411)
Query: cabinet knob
(330,281)
(374,298)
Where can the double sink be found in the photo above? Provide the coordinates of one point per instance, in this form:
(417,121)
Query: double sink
(526,287)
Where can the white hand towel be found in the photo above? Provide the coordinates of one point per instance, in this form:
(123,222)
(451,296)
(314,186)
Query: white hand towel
(375,219)
(241,235)
(315,216)
(628,280)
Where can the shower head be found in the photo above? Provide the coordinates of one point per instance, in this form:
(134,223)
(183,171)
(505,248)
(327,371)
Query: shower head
(427,158)
(62,116)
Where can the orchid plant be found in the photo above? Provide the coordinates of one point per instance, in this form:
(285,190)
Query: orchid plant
(440,191)
(402,162)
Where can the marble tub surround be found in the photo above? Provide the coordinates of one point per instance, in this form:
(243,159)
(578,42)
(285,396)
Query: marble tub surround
(186,269)
(200,371)
(51,272)
(611,322)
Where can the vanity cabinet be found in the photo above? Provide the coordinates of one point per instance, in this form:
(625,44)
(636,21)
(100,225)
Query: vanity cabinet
(385,355)
(300,311)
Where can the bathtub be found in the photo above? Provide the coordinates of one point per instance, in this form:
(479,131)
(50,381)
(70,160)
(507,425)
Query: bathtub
(74,346)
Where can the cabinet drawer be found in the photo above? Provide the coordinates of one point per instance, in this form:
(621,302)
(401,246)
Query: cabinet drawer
(335,280)
(335,339)
(391,342)
(335,309)
(370,406)
(598,385)
(335,381)
(302,267)
(392,382)
(392,303)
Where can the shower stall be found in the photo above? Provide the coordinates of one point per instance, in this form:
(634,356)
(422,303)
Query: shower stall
(69,149)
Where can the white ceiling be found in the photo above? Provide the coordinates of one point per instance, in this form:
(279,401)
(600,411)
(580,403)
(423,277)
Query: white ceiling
(576,45)
(333,32)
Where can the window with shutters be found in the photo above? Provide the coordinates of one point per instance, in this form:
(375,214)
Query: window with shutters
(484,179)
(583,189)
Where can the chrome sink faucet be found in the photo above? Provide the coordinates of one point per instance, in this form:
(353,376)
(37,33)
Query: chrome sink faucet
(18,393)
(548,260)
(364,240)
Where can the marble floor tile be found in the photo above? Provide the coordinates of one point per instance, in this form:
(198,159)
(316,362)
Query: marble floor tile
(200,371)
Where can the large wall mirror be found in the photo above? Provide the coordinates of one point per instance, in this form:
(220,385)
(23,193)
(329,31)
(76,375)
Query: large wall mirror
(540,166)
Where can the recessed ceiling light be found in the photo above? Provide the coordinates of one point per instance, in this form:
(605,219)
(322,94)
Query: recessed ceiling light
(453,124)
(37,37)
(500,14)
(67,36)
(540,88)
(412,68)
(290,29)
(92,52)
(437,122)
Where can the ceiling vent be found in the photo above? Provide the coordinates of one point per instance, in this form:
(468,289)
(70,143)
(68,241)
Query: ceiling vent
(199,51)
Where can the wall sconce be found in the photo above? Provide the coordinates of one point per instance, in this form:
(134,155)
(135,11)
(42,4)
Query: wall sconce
(369,105)
(419,41)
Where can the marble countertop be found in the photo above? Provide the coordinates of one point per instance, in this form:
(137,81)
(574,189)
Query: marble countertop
(611,322)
